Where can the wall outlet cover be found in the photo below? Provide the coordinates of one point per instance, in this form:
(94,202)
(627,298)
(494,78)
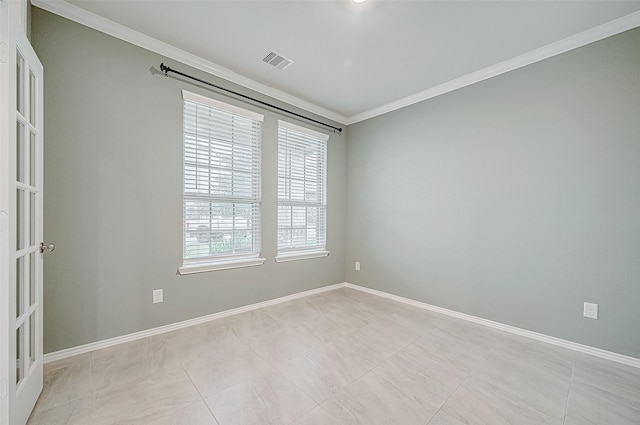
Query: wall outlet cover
(591,310)
(358,266)
(158,296)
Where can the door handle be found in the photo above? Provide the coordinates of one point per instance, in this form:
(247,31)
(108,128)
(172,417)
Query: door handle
(48,247)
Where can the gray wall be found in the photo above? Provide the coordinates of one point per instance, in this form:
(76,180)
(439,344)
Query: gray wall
(113,195)
(515,199)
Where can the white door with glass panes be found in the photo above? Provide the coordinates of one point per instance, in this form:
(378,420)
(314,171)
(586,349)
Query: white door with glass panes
(21,247)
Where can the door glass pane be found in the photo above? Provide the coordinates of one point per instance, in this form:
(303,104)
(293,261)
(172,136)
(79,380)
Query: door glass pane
(19,354)
(32,278)
(19,83)
(32,338)
(20,151)
(19,286)
(19,219)
(32,159)
(32,218)
(32,98)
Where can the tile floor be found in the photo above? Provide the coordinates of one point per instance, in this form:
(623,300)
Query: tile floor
(339,358)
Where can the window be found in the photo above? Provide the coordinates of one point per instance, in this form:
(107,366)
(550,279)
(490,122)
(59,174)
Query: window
(302,194)
(221,191)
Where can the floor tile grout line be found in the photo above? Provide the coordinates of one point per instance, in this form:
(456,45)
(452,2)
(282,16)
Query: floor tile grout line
(211,411)
(463,380)
(566,407)
(274,367)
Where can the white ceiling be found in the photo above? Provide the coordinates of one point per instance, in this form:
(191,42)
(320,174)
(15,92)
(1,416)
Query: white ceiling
(354,59)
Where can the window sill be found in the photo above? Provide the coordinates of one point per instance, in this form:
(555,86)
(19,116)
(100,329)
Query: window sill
(220,265)
(301,256)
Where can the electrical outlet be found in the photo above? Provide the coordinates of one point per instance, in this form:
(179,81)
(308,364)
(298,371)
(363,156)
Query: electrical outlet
(158,296)
(591,310)
(357,266)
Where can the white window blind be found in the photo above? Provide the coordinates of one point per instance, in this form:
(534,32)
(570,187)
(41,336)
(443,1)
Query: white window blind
(302,190)
(222,178)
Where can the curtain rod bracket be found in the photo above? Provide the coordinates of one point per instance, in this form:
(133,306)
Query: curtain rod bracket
(166,71)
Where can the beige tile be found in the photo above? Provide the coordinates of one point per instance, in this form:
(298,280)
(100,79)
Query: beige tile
(533,373)
(347,309)
(325,328)
(251,325)
(195,414)
(443,419)
(479,336)
(527,384)
(65,380)
(588,408)
(130,362)
(478,403)
(329,369)
(211,339)
(318,416)
(607,379)
(603,392)
(372,400)
(76,412)
(153,397)
(292,312)
(457,350)
(423,320)
(544,357)
(385,337)
(421,376)
(270,399)
(215,373)
(282,344)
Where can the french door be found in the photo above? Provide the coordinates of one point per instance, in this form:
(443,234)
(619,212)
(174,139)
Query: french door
(21,368)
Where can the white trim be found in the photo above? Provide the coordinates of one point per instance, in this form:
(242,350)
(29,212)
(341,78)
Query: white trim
(285,124)
(98,23)
(187,95)
(592,35)
(91,20)
(597,352)
(282,258)
(201,267)
(74,351)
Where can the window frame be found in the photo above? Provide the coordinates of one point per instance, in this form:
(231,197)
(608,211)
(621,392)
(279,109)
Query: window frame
(223,261)
(302,253)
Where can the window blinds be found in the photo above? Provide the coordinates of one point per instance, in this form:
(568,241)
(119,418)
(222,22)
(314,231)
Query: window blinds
(302,184)
(222,180)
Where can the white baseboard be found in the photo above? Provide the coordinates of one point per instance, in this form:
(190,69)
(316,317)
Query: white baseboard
(597,352)
(81,349)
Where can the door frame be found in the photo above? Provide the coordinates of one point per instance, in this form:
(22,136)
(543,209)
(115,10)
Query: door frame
(13,25)
(4,214)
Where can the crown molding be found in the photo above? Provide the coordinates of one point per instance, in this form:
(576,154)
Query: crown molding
(592,35)
(98,23)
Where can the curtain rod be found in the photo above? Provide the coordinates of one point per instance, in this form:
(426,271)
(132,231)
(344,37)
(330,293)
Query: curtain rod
(166,70)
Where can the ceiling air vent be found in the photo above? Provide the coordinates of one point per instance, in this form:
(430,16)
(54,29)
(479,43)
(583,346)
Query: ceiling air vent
(279,61)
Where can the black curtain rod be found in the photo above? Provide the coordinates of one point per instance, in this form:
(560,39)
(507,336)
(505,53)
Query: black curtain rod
(166,70)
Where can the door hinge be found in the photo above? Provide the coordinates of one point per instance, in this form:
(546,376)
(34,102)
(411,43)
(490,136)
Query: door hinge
(3,389)
(3,52)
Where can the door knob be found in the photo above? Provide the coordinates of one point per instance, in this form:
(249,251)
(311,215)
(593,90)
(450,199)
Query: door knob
(48,247)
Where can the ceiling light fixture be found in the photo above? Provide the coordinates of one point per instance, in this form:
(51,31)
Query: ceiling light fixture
(358,1)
